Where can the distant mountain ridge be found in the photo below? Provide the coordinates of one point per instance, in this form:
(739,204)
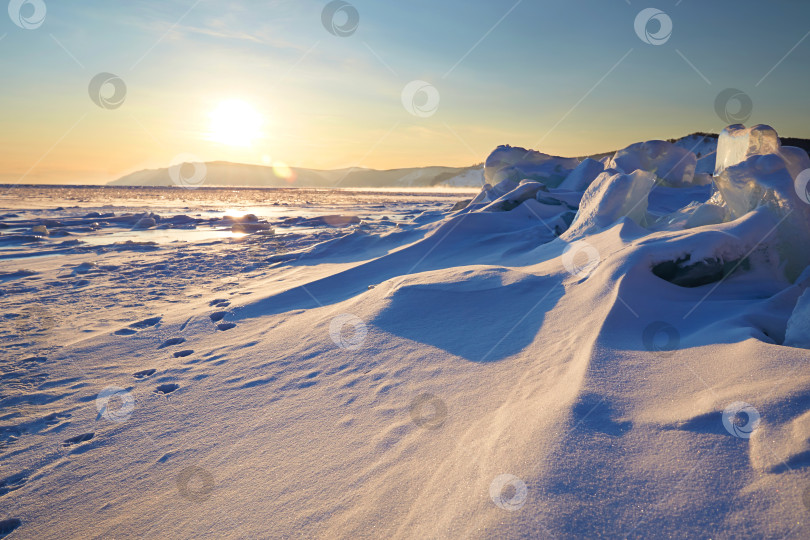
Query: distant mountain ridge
(222,173)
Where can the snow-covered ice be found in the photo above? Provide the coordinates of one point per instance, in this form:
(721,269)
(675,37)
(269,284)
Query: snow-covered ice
(579,349)
(611,196)
(796,333)
(516,164)
(754,169)
(672,164)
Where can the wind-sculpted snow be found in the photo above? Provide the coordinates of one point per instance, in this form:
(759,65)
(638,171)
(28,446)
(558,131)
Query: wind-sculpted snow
(578,351)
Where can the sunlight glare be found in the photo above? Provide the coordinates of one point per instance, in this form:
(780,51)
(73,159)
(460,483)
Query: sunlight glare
(236,123)
(282,170)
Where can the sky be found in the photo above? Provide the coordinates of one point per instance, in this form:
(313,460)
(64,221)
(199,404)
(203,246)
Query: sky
(93,90)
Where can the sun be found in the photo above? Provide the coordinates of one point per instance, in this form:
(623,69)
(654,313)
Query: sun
(236,123)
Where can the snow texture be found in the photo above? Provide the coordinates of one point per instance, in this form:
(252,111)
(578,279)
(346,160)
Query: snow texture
(585,349)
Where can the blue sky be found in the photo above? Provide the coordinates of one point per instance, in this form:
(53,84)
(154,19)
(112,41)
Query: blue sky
(565,77)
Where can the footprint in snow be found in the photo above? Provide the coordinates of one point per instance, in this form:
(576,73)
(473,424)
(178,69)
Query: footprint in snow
(146,323)
(7,526)
(12,482)
(144,374)
(172,341)
(183,354)
(226,326)
(167,388)
(78,439)
(140,325)
(221,302)
(125,332)
(218,316)
(35,359)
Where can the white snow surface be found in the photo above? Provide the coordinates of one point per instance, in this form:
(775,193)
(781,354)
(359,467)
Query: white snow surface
(515,163)
(705,149)
(796,334)
(600,355)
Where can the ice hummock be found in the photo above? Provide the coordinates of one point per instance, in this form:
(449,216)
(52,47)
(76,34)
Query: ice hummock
(612,196)
(704,146)
(670,163)
(736,144)
(516,164)
(580,178)
(527,189)
(753,170)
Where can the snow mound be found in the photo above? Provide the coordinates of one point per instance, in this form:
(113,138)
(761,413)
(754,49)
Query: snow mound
(515,163)
(704,147)
(582,177)
(673,164)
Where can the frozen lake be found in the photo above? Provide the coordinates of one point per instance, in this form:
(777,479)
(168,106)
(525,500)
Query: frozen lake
(98,216)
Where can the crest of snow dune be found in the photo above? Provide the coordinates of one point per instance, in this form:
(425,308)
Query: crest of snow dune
(516,164)
(673,164)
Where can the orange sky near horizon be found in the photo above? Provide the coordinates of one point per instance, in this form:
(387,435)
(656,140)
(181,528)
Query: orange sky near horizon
(560,78)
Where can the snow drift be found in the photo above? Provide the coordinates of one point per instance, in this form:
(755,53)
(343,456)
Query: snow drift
(595,348)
